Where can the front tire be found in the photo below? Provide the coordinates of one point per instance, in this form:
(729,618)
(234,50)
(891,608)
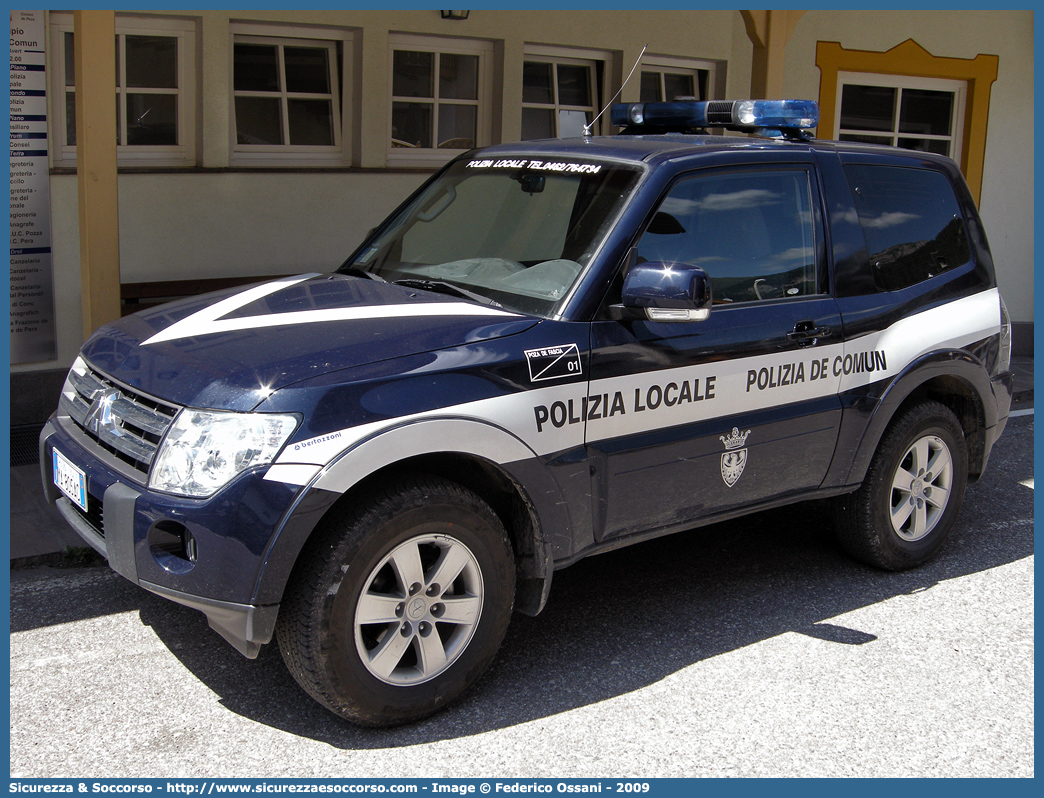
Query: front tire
(913,490)
(401,605)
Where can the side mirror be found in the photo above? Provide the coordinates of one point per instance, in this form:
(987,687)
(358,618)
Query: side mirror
(661,291)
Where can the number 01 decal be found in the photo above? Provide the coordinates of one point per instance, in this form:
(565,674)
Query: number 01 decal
(554,362)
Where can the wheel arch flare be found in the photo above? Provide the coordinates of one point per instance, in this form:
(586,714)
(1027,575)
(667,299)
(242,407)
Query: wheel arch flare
(951,377)
(476,454)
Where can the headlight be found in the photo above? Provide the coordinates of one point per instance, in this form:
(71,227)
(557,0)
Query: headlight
(204,450)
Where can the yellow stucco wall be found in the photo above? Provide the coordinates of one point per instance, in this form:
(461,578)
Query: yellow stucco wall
(702,34)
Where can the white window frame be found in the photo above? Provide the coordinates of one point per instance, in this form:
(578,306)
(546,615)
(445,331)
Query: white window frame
(672,65)
(338,154)
(181,154)
(958,88)
(572,57)
(433,156)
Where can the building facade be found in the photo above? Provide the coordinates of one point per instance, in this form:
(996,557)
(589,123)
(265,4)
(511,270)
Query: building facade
(252,144)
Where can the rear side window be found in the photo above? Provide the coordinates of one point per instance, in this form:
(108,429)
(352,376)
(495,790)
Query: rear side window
(911,221)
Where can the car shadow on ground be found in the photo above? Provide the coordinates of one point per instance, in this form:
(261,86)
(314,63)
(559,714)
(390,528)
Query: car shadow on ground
(625,620)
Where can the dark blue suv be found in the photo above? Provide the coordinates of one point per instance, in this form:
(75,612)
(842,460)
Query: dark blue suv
(550,350)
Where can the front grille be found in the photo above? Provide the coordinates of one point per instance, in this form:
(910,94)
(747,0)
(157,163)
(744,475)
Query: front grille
(94,515)
(126,423)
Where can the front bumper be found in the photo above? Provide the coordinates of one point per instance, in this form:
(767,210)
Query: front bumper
(231,533)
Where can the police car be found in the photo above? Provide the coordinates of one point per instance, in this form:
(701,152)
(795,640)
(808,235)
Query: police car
(552,349)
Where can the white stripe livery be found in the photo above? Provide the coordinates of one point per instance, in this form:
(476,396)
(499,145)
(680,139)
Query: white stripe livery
(209,320)
(556,418)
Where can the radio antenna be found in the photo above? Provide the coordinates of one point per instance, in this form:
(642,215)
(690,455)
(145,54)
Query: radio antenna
(589,125)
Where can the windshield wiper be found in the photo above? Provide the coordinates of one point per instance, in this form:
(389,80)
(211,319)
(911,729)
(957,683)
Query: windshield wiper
(440,287)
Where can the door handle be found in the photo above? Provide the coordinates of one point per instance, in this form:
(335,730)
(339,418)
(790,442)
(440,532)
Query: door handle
(806,333)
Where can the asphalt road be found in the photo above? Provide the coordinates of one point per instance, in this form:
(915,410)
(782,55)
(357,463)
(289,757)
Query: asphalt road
(749,649)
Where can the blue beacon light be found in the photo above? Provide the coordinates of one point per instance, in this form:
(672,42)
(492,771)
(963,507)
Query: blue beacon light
(762,115)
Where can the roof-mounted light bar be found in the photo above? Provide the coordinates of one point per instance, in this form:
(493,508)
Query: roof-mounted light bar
(787,116)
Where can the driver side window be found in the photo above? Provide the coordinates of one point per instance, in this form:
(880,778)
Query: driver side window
(754,233)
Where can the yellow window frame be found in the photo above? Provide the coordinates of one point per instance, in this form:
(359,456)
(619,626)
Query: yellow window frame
(910,59)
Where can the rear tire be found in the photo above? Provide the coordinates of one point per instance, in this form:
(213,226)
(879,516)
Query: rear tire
(401,604)
(912,492)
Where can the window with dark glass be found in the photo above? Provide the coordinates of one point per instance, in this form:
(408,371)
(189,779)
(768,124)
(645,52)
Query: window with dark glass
(435,100)
(911,220)
(147,91)
(914,118)
(663,85)
(754,233)
(285,93)
(558,98)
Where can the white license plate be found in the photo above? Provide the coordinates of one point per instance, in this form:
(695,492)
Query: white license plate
(70,480)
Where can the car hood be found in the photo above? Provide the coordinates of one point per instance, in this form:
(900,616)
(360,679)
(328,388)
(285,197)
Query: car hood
(233,348)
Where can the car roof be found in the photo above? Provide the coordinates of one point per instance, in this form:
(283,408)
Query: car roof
(626,148)
(657,147)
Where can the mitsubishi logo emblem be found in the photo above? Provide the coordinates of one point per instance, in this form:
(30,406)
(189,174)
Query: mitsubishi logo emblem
(417,608)
(100,418)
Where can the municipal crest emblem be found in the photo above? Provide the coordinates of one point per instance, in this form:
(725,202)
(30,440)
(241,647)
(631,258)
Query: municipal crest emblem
(734,459)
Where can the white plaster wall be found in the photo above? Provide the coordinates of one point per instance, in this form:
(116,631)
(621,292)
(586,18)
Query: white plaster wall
(185,226)
(1006,203)
(228,224)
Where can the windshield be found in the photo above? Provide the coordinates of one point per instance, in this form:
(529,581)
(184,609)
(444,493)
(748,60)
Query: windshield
(516,231)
